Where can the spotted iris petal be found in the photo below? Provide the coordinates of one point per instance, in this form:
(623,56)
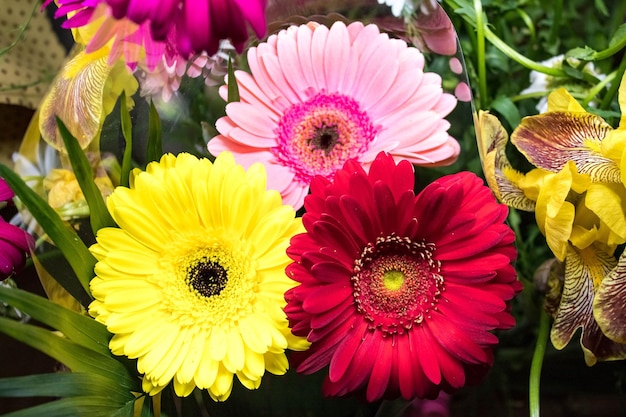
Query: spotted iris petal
(500,175)
(610,303)
(552,139)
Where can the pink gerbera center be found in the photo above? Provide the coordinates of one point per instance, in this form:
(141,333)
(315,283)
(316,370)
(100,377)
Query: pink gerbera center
(396,283)
(318,136)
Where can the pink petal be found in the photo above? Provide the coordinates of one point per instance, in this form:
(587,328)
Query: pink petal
(336,56)
(254,122)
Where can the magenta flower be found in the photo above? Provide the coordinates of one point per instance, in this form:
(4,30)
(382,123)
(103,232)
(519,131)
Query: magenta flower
(399,293)
(199,25)
(6,193)
(127,39)
(317,96)
(15,243)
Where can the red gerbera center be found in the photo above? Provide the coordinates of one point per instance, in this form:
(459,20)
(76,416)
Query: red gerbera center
(396,283)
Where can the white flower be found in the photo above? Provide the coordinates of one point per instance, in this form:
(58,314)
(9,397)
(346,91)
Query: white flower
(398,6)
(33,174)
(543,83)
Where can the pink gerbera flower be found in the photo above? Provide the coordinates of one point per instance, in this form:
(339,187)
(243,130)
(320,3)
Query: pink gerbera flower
(317,96)
(399,293)
(199,24)
(15,243)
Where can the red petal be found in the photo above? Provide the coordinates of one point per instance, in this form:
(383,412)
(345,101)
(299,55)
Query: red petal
(345,352)
(422,342)
(326,297)
(379,380)
(455,340)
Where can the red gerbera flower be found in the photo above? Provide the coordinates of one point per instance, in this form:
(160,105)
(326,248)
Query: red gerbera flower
(399,293)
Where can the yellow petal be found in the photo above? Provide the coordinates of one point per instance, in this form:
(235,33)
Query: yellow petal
(561,100)
(276,363)
(501,177)
(235,355)
(223,385)
(607,202)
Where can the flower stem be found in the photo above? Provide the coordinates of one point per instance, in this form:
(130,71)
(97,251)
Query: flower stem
(608,98)
(598,87)
(519,58)
(482,27)
(480,52)
(537,362)
(611,50)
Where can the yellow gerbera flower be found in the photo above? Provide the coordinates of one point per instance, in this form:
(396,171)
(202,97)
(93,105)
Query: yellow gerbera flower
(192,282)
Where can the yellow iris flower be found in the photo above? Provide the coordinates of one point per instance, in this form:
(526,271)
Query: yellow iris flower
(85,91)
(577,193)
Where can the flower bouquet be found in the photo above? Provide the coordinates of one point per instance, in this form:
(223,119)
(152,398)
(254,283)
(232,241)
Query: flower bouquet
(275,208)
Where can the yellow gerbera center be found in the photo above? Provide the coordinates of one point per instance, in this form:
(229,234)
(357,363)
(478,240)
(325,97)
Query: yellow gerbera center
(393,279)
(210,278)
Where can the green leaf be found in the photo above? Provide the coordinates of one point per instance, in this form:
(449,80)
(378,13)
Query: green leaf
(155,145)
(61,233)
(505,107)
(619,36)
(76,357)
(601,7)
(584,54)
(572,72)
(64,384)
(146,409)
(76,327)
(92,406)
(233,88)
(53,289)
(127,132)
(98,214)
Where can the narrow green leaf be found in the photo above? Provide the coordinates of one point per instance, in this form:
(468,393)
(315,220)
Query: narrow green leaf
(507,109)
(53,289)
(127,132)
(233,88)
(98,214)
(92,406)
(76,327)
(61,233)
(155,144)
(619,36)
(72,355)
(64,384)
(602,7)
(146,409)
(572,72)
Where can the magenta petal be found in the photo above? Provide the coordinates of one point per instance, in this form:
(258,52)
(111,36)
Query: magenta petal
(254,12)
(5,191)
